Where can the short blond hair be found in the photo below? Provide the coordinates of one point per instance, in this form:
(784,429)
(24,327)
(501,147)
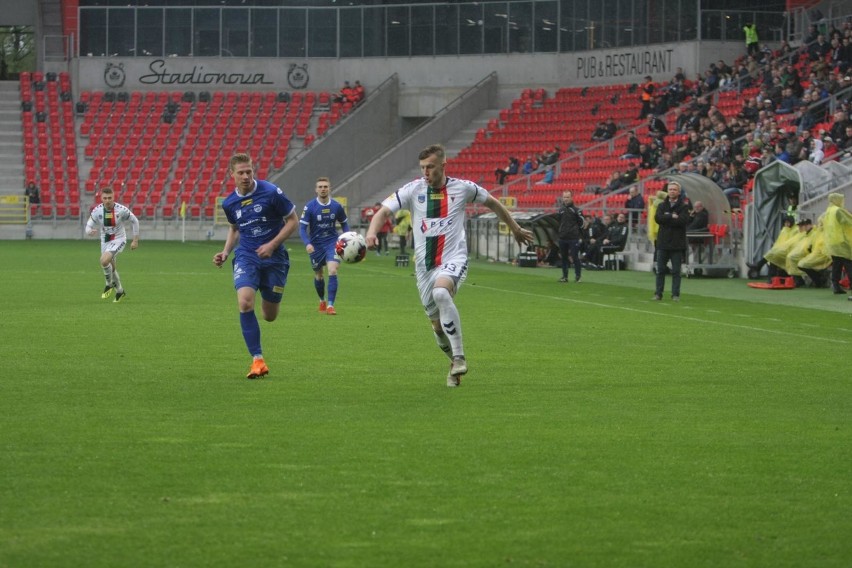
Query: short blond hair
(239,158)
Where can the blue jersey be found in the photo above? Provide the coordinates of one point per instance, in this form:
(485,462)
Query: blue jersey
(318,222)
(259,215)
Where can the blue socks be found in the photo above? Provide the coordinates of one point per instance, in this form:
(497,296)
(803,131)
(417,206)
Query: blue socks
(320,286)
(332,289)
(251,332)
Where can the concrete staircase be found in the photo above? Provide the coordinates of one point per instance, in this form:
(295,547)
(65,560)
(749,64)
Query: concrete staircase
(11,136)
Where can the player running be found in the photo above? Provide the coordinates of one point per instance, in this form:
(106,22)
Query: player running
(261,219)
(318,230)
(110,219)
(437,204)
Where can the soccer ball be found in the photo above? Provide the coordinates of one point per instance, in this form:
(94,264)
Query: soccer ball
(351,247)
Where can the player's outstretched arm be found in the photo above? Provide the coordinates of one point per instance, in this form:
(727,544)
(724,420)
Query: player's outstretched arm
(523,236)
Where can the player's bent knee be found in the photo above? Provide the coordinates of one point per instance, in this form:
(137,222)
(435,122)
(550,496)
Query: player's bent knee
(442,296)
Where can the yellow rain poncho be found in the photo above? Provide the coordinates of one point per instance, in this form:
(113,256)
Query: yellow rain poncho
(817,259)
(797,252)
(778,253)
(403,222)
(653,227)
(837,223)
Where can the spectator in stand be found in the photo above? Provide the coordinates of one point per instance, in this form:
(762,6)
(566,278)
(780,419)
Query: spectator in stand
(699,218)
(819,49)
(633,147)
(682,117)
(346,94)
(838,126)
(549,175)
(664,162)
(613,184)
(635,204)
(789,102)
(817,154)
(845,142)
(611,128)
(31,192)
(529,166)
(511,169)
(600,133)
(647,96)
(359,92)
(657,128)
(630,175)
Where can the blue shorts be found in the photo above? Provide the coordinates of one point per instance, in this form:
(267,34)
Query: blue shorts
(269,275)
(323,254)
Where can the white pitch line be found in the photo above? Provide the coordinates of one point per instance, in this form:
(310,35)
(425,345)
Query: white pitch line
(675,316)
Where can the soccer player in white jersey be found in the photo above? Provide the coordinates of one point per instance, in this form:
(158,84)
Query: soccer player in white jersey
(110,219)
(437,204)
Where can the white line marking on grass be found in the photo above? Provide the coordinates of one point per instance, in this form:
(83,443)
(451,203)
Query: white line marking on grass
(675,316)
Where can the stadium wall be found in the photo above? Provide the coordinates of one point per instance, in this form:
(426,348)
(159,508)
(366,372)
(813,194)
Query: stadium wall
(428,84)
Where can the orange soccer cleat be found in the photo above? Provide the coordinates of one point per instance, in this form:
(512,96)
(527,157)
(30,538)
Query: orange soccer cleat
(331,311)
(258,369)
(322,305)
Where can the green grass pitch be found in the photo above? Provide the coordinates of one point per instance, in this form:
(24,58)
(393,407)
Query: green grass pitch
(595,429)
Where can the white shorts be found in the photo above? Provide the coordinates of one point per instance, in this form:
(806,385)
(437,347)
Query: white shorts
(114,247)
(455,271)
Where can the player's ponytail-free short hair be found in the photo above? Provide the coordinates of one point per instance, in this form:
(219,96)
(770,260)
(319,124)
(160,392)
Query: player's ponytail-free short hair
(240,158)
(323,178)
(107,191)
(432,150)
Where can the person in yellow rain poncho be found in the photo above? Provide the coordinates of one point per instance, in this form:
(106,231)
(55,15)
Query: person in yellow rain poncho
(402,228)
(653,227)
(817,260)
(776,255)
(798,251)
(837,223)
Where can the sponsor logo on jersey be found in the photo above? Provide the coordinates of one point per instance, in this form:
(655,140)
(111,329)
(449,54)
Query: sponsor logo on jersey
(278,289)
(437,196)
(325,210)
(246,202)
(435,226)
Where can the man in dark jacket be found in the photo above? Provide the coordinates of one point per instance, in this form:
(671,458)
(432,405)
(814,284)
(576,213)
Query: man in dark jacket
(570,232)
(672,216)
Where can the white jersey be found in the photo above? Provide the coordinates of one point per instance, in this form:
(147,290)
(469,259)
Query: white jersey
(437,218)
(112,223)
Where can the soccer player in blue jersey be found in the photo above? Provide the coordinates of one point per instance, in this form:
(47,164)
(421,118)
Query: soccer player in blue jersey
(437,203)
(261,219)
(318,229)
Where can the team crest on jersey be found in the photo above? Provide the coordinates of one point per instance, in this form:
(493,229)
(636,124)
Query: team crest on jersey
(257,208)
(421,198)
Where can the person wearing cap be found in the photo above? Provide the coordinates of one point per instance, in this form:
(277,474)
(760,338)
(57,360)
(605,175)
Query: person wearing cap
(837,224)
(672,216)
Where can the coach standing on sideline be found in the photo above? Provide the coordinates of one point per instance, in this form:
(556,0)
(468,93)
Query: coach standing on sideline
(672,216)
(570,232)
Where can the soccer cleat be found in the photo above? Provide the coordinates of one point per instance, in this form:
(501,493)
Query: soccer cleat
(675,298)
(458,367)
(331,311)
(322,305)
(657,298)
(119,296)
(107,292)
(258,369)
(563,279)
(453,380)
(577,280)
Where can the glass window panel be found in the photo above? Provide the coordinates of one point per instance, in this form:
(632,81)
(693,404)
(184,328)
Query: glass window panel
(374,31)
(446,29)
(235,32)
(350,32)
(608,24)
(322,32)
(205,22)
(292,32)
(121,24)
(595,25)
(641,15)
(422,30)
(711,24)
(546,26)
(496,27)
(178,31)
(520,27)
(149,32)
(470,28)
(93,31)
(264,32)
(398,22)
(624,24)
(583,27)
(671,28)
